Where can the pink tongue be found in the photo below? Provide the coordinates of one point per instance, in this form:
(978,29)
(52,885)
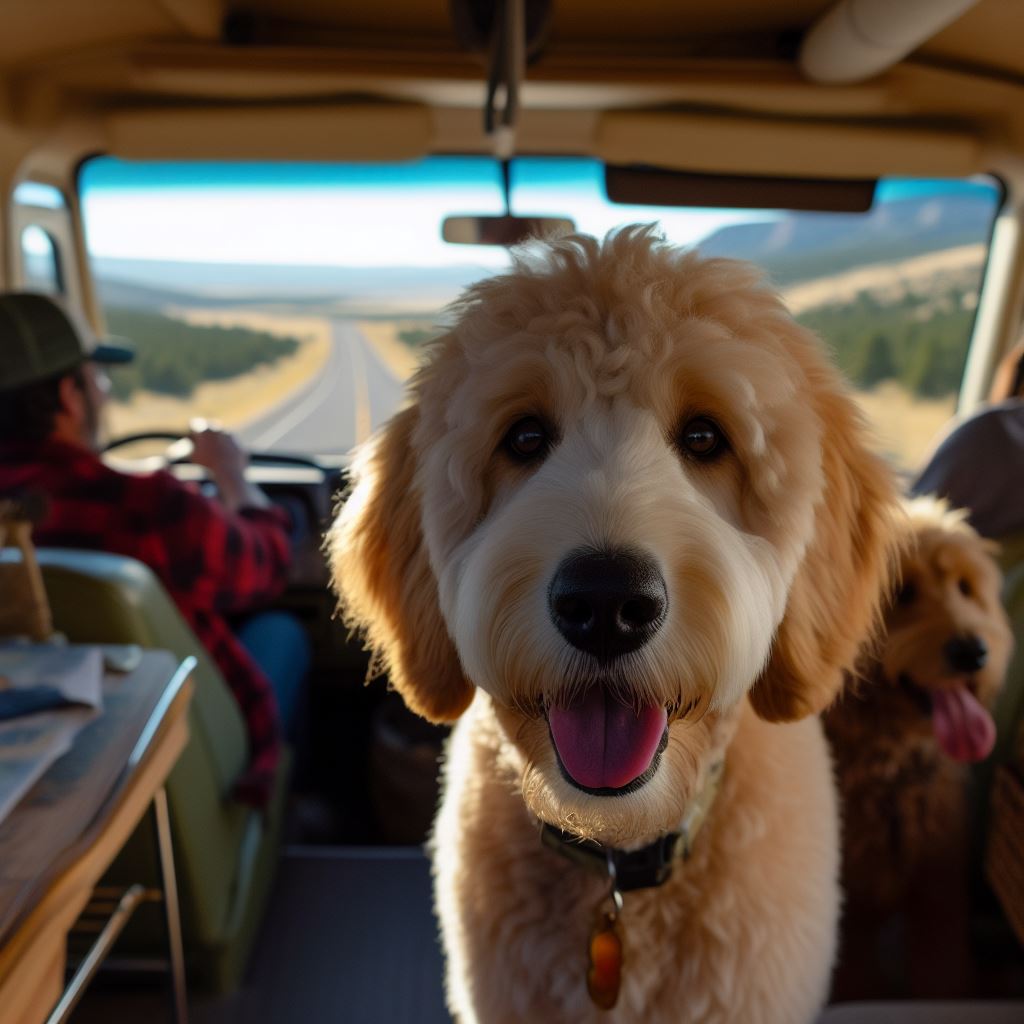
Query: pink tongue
(603,743)
(964,729)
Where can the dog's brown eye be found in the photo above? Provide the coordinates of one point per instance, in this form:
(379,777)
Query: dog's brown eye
(701,438)
(965,587)
(527,439)
(907,594)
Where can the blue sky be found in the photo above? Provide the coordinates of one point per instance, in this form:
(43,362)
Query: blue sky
(357,215)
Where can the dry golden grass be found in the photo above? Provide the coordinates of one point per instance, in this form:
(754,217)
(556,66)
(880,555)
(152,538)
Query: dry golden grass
(232,403)
(906,426)
(399,357)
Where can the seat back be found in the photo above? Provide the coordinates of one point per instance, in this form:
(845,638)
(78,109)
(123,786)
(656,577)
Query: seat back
(101,598)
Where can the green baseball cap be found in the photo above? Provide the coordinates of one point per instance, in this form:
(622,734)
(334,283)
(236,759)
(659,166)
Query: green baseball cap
(39,339)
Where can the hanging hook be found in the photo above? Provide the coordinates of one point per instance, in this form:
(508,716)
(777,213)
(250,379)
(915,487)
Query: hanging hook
(507,69)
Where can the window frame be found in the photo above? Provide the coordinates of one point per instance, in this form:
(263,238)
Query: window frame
(58,225)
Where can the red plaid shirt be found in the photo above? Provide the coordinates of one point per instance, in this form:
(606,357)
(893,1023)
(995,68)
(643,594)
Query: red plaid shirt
(211,561)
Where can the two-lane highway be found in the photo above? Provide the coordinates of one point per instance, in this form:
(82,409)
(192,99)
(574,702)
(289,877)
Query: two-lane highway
(351,396)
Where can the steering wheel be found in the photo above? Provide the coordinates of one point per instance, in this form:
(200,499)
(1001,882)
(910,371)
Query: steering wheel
(179,450)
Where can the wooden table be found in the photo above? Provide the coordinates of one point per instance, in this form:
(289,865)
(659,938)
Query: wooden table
(81,813)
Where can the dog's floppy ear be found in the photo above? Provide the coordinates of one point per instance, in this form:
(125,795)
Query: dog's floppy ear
(834,602)
(384,581)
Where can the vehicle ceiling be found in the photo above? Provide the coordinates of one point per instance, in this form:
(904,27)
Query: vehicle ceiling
(334,79)
(986,37)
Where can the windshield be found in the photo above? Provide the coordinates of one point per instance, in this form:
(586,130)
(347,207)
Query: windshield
(290,301)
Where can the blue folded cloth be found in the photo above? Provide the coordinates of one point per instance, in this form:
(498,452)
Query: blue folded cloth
(29,701)
(46,677)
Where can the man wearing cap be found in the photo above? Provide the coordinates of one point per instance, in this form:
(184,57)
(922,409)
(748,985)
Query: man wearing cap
(215,557)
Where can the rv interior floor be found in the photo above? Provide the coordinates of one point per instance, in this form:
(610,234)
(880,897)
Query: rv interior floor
(349,936)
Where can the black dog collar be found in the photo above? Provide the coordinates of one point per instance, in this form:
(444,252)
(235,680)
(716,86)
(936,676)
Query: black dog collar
(649,866)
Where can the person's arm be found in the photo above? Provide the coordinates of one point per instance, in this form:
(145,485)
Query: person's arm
(221,454)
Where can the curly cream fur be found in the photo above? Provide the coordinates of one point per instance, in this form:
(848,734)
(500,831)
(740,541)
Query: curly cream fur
(774,557)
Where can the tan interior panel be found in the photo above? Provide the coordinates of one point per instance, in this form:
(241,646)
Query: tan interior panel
(990,35)
(40,28)
(773,147)
(371,131)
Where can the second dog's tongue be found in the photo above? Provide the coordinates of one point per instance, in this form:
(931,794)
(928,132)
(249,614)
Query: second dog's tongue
(964,729)
(603,744)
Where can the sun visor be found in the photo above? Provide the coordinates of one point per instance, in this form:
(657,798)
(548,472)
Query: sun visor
(335,132)
(654,186)
(765,146)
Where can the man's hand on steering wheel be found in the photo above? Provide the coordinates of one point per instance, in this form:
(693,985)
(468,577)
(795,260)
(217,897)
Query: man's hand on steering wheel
(213,449)
(219,452)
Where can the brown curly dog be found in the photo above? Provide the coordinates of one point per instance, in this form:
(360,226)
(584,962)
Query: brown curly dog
(902,736)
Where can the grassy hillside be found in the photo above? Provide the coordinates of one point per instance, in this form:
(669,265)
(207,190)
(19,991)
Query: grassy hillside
(804,246)
(919,341)
(172,357)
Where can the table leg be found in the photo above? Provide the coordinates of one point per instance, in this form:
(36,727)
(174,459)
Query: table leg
(87,969)
(169,884)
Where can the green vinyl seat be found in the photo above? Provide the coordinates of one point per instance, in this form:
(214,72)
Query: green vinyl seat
(226,853)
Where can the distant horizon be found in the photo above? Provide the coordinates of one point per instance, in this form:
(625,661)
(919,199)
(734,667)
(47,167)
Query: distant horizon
(315,266)
(377,218)
(376,215)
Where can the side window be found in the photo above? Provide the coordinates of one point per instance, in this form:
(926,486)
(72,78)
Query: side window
(44,253)
(894,292)
(40,261)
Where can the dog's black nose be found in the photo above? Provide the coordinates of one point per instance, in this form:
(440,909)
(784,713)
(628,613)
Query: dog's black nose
(607,603)
(966,653)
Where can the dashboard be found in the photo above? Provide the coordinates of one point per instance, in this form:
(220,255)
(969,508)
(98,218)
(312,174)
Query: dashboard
(306,492)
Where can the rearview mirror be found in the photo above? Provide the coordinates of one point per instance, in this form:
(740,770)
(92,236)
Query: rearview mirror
(501,230)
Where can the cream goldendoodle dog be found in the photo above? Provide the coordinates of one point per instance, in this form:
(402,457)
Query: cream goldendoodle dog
(626,528)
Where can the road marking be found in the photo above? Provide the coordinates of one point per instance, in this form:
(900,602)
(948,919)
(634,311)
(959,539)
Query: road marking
(360,386)
(322,391)
(350,336)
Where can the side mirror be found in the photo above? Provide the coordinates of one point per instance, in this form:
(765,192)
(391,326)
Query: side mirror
(501,230)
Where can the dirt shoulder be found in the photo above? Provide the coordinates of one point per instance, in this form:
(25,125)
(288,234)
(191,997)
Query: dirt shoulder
(236,402)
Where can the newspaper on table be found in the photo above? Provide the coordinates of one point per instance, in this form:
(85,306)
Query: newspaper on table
(44,677)
(47,694)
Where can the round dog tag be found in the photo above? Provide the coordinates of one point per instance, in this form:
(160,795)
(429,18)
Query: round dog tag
(605,973)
